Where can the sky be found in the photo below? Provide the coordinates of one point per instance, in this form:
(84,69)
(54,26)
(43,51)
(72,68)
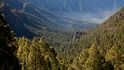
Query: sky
(96,11)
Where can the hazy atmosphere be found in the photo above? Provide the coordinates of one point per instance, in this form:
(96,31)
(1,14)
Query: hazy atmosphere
(61,34)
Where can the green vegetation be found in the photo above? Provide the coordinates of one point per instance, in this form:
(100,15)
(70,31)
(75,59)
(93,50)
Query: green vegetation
(100,49)
(104,44)
(37,55)
(24,54)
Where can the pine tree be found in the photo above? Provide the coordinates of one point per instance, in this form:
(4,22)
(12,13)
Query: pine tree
(23,52)
(94,61)
(79,62)
(113,56)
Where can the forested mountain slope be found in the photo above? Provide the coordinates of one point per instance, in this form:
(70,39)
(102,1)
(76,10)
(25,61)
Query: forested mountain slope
(24,54)
(28,20)
(104,44)
(101,48)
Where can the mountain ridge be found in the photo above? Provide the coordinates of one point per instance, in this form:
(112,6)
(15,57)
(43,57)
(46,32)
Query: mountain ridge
(106,39)
(37,19)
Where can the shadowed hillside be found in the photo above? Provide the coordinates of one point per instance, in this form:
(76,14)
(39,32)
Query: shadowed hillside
(8,60)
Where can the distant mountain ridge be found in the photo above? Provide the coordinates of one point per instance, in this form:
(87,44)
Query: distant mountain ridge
(24,16)
(30,20)
(80,9)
